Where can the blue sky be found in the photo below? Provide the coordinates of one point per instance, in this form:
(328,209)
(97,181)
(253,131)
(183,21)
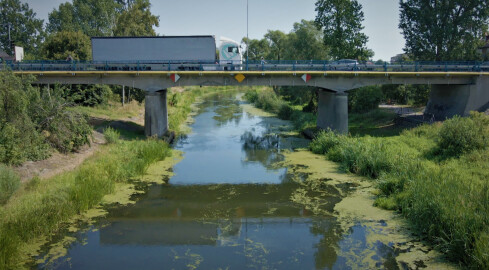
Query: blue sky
(228,18)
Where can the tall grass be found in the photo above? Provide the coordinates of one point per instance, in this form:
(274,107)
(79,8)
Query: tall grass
(111,135)
(9,183)
(445,196)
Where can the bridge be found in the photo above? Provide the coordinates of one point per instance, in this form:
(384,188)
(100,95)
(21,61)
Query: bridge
(457,87)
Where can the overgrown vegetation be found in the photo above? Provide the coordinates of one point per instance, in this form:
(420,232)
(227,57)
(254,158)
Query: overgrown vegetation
(32,120)
(9,183)
(434,175)
(42,209)
(266,99)
(111,135)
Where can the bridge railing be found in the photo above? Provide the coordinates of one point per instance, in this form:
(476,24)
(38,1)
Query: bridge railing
(252,65)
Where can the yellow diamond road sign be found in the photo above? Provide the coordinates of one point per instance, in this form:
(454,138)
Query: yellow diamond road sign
(239,77)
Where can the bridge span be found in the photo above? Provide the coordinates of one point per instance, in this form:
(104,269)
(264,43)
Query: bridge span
(453,92)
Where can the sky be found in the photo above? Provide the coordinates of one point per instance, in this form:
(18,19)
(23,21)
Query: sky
(228,18)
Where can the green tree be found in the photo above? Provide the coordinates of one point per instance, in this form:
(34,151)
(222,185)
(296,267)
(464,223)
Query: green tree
(443,30)
(278,42)
(137,20)
(92,17)
(58,46)
(306,42)
(256,48)
(341,21)
(25,29)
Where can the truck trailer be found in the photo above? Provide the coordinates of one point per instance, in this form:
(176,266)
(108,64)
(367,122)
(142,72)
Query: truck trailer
(174,52)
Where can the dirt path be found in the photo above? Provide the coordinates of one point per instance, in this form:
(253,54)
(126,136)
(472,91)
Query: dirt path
(59,163)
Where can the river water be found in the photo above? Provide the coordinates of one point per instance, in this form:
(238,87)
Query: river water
(232,203)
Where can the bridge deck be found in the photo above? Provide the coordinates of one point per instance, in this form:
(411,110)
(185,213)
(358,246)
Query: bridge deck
(261,73)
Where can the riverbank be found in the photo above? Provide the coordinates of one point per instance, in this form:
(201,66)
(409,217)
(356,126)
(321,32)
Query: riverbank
(40,208)
(434,175)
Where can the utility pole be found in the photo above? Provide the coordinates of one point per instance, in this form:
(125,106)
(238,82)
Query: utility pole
(247,34)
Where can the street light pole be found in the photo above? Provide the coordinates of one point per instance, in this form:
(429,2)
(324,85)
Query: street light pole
(247,35)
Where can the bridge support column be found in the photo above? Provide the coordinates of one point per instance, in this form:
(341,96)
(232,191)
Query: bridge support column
(155,114)
(447,101)
(333,111)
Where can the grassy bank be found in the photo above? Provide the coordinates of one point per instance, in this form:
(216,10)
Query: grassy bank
(40,208)
(436,176)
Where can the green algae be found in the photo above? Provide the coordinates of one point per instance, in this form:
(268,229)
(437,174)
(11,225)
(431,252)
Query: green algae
(160,172)
(355,209)
(122,195)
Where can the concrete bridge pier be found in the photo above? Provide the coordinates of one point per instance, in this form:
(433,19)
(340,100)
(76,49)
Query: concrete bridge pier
(447,101)
(333,111)
(155,114)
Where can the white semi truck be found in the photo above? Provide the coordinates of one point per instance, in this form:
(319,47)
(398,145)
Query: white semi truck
(175,52)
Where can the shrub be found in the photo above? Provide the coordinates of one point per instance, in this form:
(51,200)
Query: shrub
(324,142)
(19,137)
(285,112)
(365,99)
(9,183)
(88,95)
(111,135)
(463,135)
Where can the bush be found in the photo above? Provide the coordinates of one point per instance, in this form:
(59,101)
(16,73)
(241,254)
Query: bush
(324,142)
(365,99)
(111,135)
(19,137)
(88,95)
(9,183)
(64,129)
(406,94)
(285,112)
(463,135)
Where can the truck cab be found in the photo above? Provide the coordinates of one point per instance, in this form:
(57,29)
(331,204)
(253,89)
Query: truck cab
(230,56)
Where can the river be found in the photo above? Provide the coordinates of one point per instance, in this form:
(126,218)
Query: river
(238,199)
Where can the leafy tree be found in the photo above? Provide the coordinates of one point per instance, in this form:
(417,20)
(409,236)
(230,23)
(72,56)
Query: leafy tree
(137,20)
(256,48)
(92,17)
(278,42)
(341,21)
(62,44)
(443,30)
(306,42)
(406,94)
(25,29)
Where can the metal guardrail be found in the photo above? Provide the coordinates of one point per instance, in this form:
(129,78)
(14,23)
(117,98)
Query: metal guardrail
(287,65)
